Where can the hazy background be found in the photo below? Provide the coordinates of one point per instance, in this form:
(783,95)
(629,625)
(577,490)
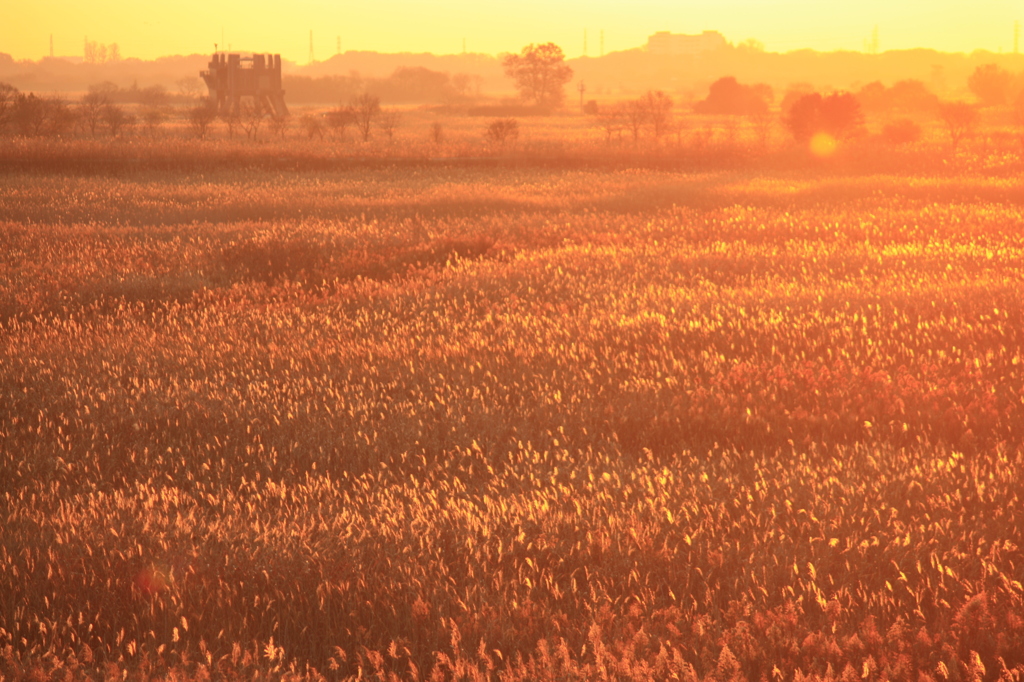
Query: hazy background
(154,29)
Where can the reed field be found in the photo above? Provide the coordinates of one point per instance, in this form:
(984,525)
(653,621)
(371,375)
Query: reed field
(495,419)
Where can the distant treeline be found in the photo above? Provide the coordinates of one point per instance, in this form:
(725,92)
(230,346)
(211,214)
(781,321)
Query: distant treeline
(406,85)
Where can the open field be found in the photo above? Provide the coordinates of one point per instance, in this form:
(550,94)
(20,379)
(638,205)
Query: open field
(508,421)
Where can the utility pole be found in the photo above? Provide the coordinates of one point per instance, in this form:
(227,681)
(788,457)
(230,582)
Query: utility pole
(582,88)
(310,46)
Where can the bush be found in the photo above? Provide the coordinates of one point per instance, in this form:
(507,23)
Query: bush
(838,115)
(502,130)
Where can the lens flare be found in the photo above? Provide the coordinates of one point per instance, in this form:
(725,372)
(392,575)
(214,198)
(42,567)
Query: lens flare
(823,145)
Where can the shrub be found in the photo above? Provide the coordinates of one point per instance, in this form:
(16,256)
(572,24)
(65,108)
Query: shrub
(502,130)
(838,115)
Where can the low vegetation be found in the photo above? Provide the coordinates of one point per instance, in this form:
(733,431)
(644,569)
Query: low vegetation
(508,422)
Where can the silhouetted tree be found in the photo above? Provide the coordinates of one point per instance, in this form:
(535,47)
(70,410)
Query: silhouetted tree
(91,109)
(189,87)
(60,119)
(8,95)
(728,96)
(278,125)
(365,110)
(635,117)
(389,120)
(960,119)
(540,73)
(153,117)
(340,118)
(232,117)
(251,115)
(990,84)
(28,114)
(658,111)
(200,117)
(838,115)
(116,118)
(610,120)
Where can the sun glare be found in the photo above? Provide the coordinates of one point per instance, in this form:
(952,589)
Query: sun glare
(823,145)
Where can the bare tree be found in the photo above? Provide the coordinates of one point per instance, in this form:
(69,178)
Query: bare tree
(189,87)
(251,116)
(389,120)
(635,117)
(232,118)
(153,117)
(340,118)
(117,119)
(60,118)
(960,119)
(610,120)
(658,109)
(200,117)
(91,109)
(8,96)
(365,110)
(278,125)
(29,114)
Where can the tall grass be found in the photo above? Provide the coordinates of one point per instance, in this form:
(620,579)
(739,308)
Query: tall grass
(511,423)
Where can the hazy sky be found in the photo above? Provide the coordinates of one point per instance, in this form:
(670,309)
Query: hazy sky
(151,29)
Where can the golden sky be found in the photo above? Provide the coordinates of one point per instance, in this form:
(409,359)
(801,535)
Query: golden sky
(152,29)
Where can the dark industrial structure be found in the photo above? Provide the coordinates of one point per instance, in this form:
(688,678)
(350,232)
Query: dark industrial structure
(230,77)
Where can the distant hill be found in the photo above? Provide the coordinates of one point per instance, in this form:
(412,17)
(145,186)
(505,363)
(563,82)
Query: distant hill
(615,75)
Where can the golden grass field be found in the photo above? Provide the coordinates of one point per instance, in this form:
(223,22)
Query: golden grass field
(482,420)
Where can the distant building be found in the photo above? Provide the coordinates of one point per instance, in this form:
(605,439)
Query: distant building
(230,77)
(664,42)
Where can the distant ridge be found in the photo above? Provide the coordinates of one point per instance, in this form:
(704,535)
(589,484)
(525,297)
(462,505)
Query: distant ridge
(616,74)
